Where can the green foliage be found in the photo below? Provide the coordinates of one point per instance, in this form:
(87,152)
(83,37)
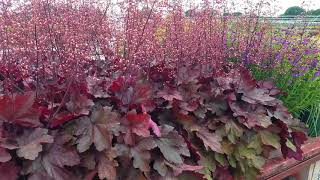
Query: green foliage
(294,11)
(313,119)
(314,12)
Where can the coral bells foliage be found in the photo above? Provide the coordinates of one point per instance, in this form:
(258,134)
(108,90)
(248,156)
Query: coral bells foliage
(140,92)
(203,126)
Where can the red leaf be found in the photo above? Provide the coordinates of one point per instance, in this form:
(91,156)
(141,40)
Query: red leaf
(223,173)
(139,124)
(107,168)
(117,84)
(194,151)
(178,169)
(189,106)
(79,104)
(187,74)
(52,163)
(129,93)
(210,140)
(30,143)
(18,109)
(142,94)
(172,145)
(98,87)
(9,171)
(40,176)
(4,155)
(160,73)
(245,80)
(135,118)
(61,118)
(140,153)
(298,139)
(98,129)
(91,175)
(170,94)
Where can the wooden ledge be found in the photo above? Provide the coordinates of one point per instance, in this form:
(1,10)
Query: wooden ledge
(279,168)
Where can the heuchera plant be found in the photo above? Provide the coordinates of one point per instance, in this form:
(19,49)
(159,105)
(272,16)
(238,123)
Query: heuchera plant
(214,127)
(147,95)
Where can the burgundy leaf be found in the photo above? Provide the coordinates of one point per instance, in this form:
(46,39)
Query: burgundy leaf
(260,96)
(133,173)
(298,139)
(131,93)
(217,106)
(178,169)
(118,84)
(225,83)
(98,87)
(135,118)
(79,104)
(56,172)
(269,85)
(187,74)
(172,145)
(142,94)
(210,140)
(88,160)
(282,114)
(60,154)
(189,106)
(4,155)
(61,118)
(51,164)
(90,175)
(160,73)
(97,129)
(170,94)
(107,166)
(18,109)
(251,115)
(222,173)
(245,81)
(9,171)
(160,166)
(139,124)
(140,153)
(30,143)
(40,176)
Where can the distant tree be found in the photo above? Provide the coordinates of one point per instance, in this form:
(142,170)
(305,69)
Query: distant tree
(232,14)
(294,11)
(188,13)
(237,14)
(226,14)
(314,12)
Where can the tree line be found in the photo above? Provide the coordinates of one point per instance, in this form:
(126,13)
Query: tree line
(296,10)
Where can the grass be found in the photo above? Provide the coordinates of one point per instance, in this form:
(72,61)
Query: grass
(302,94)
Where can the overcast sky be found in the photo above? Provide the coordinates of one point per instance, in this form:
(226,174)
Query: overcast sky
(278,6)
